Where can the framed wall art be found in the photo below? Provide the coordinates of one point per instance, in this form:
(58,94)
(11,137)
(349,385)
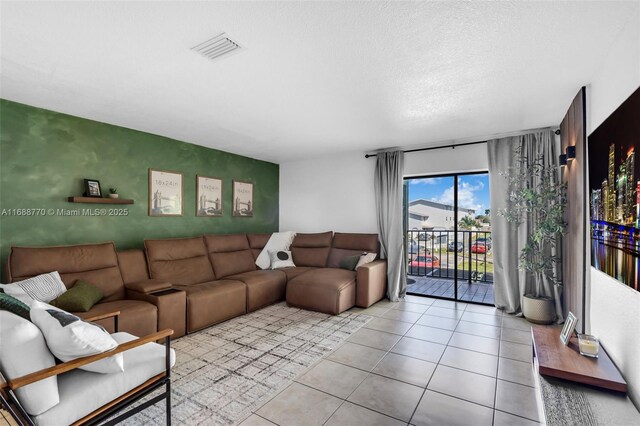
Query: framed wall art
(208,196)
(242,199)
(567,329)
(614,193)
(92,188)
(165,193)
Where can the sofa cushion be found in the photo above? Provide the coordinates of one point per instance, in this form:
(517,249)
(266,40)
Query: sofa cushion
(136,317)
(133,266)
(69,338)
(291,273)
(94,263)
(311,249)
(346,244)
(212,302)
(224,243)
(235,262)
(281,259)
(371,282)
(359,242)
(180,261)
(264,287)
(279,241)
(366,258)
(257,243)
(44,287)
(82,392)
(147,286)
(350,262)
(81,297)
(328,290)
(23,350)
(13,305)
(229,254)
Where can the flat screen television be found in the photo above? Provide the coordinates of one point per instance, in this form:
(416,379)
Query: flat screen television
(614,193)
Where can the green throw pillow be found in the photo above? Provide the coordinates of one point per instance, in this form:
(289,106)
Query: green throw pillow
(349,262)
(13,305)
(79,298)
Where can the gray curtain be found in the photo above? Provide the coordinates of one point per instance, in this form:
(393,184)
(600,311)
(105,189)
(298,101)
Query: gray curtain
(511,283)
(389,196)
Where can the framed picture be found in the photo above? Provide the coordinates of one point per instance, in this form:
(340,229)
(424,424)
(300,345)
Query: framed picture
(614,194)
(242,199)
(208,196)
(165,193)
(567,330)
(92,188)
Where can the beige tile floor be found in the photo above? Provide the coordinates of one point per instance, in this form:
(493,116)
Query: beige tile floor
(419,362)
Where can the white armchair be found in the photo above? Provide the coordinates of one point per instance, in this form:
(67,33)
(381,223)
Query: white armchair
(62,394)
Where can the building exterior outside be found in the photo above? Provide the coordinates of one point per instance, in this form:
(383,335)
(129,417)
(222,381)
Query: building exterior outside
(430,215)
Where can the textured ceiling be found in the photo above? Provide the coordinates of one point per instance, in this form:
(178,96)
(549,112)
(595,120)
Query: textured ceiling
(315,78)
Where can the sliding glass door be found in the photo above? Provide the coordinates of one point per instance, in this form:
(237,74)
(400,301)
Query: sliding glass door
(449,248)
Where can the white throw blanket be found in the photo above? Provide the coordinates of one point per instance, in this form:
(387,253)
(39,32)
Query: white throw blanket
(277,241)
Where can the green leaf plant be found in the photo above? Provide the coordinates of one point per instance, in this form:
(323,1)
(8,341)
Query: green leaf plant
(537,193)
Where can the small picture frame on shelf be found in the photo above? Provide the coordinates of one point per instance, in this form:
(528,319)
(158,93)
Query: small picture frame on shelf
(92,188)
(568,328)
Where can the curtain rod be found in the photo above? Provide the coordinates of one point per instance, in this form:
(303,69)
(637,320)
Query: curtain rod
(452,146)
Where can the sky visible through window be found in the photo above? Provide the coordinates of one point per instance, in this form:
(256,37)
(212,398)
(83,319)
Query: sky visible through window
(473,191)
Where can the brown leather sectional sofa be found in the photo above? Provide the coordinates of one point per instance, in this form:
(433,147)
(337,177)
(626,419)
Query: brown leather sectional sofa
(191,283)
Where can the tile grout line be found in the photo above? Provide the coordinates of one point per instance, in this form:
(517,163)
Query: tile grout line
(369,373)
(256,414)
(386,352)
(432,374)
(495,392)
(521,417)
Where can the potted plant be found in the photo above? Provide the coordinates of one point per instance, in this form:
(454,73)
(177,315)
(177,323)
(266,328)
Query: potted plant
(537,200)
(113,193)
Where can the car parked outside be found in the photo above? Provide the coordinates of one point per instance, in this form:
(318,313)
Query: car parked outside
(455,247)
(425,261)
(485,241)
(478,248)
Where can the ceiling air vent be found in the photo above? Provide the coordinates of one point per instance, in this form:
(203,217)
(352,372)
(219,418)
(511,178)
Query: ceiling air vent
(216,47)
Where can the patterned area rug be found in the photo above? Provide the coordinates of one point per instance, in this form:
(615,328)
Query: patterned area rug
(224,372)
(565,404)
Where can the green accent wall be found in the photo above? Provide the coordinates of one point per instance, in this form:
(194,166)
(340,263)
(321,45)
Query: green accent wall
(45,155)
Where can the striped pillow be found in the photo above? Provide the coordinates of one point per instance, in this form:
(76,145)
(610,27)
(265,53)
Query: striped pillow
(43,288)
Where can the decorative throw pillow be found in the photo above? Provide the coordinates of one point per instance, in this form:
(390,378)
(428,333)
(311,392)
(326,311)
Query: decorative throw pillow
(68,338)
(277,241)
(366,258)
(349,263)
(79,298)
(13,305)
(281,259)
(43,288)
(24,351)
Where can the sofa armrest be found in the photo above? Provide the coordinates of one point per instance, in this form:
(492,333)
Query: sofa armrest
(115,315)
(79,362)
(172,308)
(371,283)
(148,286)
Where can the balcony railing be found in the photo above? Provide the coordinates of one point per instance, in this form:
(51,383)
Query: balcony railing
(438,254)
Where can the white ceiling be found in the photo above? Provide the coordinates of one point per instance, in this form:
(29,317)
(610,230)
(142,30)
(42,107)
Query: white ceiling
(315,78)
